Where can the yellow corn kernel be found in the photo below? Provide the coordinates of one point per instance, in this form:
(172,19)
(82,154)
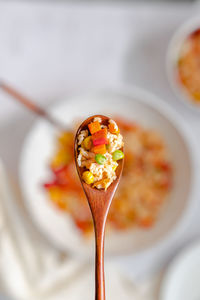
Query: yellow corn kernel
(55,193)
(114,167)
(87,143)
(88,177)
(65,138)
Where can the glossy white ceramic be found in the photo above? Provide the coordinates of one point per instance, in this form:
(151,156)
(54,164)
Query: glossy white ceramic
(133,104)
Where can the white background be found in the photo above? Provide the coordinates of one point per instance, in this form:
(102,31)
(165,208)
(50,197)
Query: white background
(50,50)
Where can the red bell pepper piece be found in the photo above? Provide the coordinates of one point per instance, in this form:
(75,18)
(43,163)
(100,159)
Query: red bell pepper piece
(100,141)
(50,184)
(100,137)
(62,175)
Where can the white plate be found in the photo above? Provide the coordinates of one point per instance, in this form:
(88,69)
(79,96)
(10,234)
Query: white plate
(172,57)
(132,104)
(182,281)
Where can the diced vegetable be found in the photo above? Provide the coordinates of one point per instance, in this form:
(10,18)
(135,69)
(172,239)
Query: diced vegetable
(50,184)
(88,177)
(66,138)
(101,141)
(117,155)
(94,127)
(100,137)
(112,128)
(56,195)
(62,158)
(101,149)
(62,175)
(100,159)
(114,167)
(100,134)
(87,143)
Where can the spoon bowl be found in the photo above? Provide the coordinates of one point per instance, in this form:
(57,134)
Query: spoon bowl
(99,202)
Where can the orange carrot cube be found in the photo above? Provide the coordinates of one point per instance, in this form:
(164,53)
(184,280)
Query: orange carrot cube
(100,149)
(112,128)
(94,127)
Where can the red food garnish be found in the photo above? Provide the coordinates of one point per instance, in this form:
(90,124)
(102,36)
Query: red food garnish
(63,175)
(101,141)
(50,184)
(100,134)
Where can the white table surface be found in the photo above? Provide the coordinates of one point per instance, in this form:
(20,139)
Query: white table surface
(51,50)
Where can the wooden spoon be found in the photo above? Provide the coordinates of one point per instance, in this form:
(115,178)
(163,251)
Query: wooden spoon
(99,202)
(36,109)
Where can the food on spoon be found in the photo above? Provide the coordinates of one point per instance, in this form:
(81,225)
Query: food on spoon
(118,154)
(94,126)
(88,177)
(188,65)
(143,191)
(99,149)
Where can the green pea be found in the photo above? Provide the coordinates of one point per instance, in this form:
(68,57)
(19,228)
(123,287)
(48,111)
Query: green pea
(117,155)
(100,159)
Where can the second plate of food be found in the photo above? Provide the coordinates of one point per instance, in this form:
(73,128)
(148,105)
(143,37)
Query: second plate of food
(156,185)
(183,63)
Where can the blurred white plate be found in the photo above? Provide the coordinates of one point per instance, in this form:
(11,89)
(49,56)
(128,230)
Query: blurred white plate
(134,104)
(173,54)
(182,281)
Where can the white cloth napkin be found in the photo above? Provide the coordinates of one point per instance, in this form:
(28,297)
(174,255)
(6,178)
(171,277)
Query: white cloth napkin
(32,270)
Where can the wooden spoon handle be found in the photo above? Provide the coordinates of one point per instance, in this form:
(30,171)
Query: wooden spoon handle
(99,263)
(29,104)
